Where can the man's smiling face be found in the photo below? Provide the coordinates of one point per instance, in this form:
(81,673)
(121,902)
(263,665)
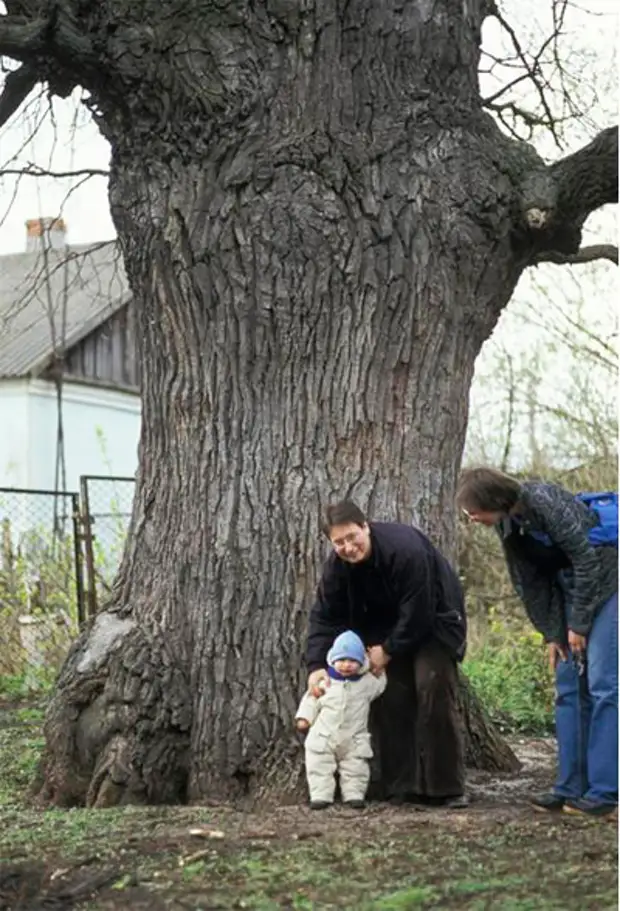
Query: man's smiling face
(351,542)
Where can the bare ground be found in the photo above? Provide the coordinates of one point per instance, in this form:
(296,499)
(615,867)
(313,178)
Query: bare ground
(497,854)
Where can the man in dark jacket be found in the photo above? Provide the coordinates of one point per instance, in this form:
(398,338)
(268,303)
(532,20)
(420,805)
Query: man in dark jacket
(388,583)
(569,588)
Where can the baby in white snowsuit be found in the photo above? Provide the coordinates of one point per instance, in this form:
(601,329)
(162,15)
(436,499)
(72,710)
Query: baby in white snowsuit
(338,723)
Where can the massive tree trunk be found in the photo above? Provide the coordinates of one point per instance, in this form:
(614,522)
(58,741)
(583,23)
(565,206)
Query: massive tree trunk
(320,225)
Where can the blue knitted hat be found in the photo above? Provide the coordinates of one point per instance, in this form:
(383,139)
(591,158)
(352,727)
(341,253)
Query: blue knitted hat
(347,645)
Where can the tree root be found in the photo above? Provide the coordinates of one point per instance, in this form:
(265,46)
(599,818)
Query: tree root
(117,728)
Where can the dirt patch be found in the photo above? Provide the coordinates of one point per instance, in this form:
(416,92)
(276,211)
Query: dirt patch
(497,854)
(537,757)
(35,887)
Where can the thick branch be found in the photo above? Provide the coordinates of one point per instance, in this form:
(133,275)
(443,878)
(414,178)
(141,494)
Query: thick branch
(588,179)
(585,255)
(53,48)
(17,86)
(555,201)
(21,39)
(575,186)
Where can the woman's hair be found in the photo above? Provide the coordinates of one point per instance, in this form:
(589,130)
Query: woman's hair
(486,490)
(341,514)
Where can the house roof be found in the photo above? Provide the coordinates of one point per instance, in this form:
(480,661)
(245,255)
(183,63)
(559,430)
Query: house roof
(50,302)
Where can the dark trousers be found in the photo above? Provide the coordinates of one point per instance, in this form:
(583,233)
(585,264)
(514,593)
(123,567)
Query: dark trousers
(416,729)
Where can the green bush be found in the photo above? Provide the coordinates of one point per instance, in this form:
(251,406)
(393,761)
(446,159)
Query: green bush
(510,674)
(37,681)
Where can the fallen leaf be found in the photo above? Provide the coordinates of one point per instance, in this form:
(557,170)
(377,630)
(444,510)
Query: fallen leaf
(123,882)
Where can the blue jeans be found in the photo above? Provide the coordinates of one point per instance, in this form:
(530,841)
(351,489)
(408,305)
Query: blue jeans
(586,716)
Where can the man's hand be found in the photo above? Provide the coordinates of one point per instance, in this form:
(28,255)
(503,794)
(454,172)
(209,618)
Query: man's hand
(576,642)
(302,726)
(378,658)
(556,653)
(318,681)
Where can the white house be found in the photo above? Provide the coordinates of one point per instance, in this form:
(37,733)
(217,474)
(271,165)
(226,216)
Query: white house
(69,376)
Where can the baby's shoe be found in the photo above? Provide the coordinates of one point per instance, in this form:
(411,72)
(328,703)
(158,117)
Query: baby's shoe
(320,804)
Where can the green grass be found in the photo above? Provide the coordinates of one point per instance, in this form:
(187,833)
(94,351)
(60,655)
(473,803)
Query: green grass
(388,859)
(21,743)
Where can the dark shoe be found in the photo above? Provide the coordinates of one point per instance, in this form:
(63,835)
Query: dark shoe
(399,800)
(355,804)
(461,802)
(320,804)
(550,802)
(457,802)
(589,807)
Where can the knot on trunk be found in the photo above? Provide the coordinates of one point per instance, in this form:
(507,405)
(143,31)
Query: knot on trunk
(118,725)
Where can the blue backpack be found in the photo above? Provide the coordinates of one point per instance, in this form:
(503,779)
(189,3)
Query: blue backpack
(605,505)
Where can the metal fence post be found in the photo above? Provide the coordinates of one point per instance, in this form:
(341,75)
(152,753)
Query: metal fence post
(88,548)
(79,559)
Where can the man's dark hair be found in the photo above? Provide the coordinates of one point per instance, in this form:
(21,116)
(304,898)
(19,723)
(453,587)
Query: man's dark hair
(487,490)
(341,514)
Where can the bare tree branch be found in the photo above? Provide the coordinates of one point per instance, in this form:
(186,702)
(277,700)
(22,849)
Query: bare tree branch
(491,99)
(584,255)
(571,330)
(533,72)
(32,170)
(529,118)
(561,84)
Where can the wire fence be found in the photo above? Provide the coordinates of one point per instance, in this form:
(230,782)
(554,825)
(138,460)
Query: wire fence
(106,513)
(59,553)
(41,595)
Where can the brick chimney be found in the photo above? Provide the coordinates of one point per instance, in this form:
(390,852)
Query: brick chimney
(45,232)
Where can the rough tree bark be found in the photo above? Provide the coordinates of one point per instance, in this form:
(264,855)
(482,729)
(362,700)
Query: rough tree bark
(321,226)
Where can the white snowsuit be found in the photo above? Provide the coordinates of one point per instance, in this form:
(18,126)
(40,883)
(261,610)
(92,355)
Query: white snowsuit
(338,738)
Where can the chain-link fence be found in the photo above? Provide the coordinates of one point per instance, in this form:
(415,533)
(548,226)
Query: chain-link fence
(106,511)
(41,595)
(59,553)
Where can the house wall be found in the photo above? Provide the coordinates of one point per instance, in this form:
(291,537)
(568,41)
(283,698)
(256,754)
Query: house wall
(101,428)
(107,355)
(14,428)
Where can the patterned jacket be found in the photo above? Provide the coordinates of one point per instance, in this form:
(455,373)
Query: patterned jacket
(563,586)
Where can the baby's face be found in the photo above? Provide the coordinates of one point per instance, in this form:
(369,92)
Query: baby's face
(347,667)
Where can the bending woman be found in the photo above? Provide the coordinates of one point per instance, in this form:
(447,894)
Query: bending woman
(570,591)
